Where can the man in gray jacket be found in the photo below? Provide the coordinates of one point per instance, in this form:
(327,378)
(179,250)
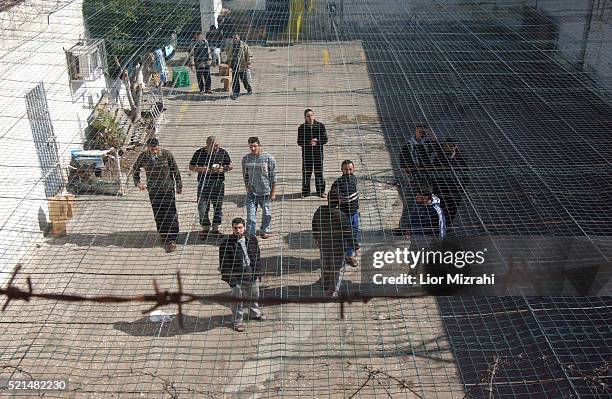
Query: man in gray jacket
(259,173)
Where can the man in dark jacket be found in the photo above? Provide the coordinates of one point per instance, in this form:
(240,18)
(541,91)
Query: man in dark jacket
(333,235)
(426,216)
(239,258)
(312,136)
(211,163)
(163,181)
(200,62)
(450,184)
(344,195)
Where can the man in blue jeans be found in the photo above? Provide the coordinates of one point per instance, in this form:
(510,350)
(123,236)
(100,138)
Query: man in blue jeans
(259,173)
(344,195)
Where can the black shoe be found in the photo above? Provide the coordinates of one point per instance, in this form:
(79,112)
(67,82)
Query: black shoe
(234,96)
(249,92)
(170,246)
(305,194)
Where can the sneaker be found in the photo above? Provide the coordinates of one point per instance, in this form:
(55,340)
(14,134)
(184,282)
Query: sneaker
(264,235)
(249,92)
(208,92)
(170,246)
(203,234)
(239,327)
(351,261)
(261,317)
(322,195)
(234,96)
(305,194)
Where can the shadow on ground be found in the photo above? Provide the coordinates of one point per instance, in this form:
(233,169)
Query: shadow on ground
(131,239)
(144,327)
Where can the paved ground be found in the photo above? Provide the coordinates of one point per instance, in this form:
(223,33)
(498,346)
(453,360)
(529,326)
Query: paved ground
(396,348)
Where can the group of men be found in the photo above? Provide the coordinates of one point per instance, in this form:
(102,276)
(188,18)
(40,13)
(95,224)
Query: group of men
(432,169)
(211,163)
(206,51)
(335,226)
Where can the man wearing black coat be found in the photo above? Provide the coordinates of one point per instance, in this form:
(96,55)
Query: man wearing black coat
(239,258)
(450,187)
(312,136)
(332,233)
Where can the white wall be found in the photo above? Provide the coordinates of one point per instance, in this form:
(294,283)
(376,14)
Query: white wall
(31,54)
(209,12)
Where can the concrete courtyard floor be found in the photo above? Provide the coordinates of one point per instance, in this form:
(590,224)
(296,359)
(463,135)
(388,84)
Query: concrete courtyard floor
(397,348)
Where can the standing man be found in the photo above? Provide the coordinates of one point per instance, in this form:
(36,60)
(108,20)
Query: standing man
(450,185)
(344,195)
(312,136)
(332,234)
(239,58)
(419,152)
(211,163)
(215,38)
(239,257)
(163,181)
(259,173)
(200,61)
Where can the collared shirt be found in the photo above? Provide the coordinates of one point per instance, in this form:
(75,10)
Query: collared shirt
(245,254)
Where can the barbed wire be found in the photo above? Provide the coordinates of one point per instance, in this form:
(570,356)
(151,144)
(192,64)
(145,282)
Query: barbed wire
(180,297)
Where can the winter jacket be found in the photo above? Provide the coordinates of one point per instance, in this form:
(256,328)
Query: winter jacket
(344,194)
(333,229)
(200,54)
(241,58)
(162,171)
(234,269)
(417,154)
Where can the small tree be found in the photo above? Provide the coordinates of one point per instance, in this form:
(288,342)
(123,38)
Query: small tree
(133,28)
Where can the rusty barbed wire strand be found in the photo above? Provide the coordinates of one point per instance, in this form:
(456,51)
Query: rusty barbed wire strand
(179,298)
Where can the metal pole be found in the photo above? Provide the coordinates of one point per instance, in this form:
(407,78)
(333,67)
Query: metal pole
(585,35)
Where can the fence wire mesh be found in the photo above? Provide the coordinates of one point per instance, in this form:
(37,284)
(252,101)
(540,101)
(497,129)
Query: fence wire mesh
(512,99)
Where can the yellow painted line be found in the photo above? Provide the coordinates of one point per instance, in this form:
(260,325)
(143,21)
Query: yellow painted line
(326,58)
(185,106)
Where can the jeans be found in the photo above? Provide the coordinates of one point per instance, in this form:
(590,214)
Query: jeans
(211,194)
(354,218)
(252,202)
(203,78)
(250,290)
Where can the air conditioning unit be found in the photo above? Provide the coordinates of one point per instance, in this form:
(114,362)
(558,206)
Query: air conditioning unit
(86,60)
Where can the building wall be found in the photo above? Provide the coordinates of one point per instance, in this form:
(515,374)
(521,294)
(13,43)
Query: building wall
(572,20)
(209,12)
(30,54)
